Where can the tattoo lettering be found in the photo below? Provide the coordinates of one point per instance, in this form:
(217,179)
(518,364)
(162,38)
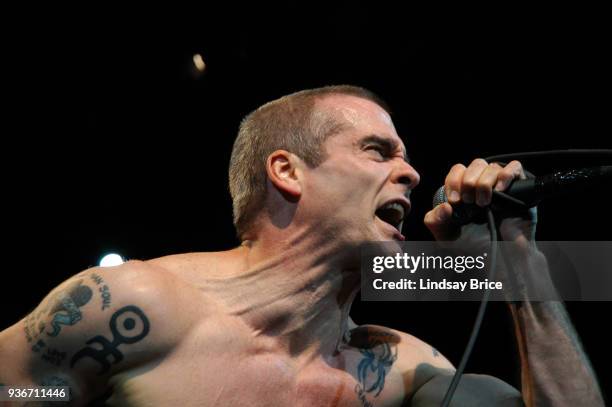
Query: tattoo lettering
(34,326)
(37,347)
(96,278)
(54,356)
(128,325)
(32,331)
(106,296)
(103,289)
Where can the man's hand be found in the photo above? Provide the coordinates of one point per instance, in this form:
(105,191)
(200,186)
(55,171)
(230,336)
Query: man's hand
(475,184)
(558,375)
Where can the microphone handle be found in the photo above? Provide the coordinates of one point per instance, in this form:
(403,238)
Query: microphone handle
(527,193)
(559,183)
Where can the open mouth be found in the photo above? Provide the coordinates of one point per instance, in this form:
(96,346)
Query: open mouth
(393,213)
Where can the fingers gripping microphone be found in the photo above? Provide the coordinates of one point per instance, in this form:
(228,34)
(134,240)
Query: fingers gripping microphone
(524,194)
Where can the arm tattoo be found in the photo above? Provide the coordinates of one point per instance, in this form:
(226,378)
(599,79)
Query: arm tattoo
(54,356)
(103,289)
(379,353)
(435,352)
(374,367)
(128,325)
(64,306)
(66,309)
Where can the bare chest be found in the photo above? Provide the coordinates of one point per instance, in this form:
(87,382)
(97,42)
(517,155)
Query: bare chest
(225,371)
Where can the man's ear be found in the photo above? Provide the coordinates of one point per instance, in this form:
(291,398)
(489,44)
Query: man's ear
(284,172)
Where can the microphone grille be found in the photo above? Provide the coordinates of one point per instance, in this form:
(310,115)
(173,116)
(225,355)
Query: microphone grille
(439,197)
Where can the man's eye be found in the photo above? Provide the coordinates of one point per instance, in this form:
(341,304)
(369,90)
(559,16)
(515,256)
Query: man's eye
(380,151)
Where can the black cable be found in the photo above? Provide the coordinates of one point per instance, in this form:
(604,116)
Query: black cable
(479,316)
(572,152)
(493,233)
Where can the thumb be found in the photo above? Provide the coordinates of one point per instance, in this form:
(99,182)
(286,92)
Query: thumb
(438,221)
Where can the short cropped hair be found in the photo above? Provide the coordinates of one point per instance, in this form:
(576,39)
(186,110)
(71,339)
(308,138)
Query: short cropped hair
(291,123)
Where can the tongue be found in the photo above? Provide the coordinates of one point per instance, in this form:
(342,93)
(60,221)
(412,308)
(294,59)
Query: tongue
(382,218)
(386,215)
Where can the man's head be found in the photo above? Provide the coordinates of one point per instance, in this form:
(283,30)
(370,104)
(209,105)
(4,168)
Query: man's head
(332,135)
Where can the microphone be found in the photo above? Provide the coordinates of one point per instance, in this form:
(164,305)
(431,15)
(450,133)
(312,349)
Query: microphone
(524,194)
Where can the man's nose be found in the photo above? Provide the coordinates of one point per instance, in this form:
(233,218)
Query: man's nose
(406,174)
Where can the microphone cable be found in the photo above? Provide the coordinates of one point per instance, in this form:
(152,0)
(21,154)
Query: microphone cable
(493,233)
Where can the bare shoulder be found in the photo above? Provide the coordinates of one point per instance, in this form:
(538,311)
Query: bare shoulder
(134,282)
(412,359)
(194,268)
(411,351)
(426,373)
(173,303)
(101,299)
(96,324)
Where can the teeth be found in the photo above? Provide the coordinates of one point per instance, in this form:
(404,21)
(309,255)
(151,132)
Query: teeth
(396,207)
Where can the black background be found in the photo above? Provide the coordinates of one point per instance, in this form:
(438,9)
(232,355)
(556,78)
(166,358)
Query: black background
(119,146)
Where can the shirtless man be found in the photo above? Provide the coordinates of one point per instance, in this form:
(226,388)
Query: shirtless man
(267,323)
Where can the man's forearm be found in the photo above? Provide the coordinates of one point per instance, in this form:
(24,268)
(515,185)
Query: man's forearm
(554,369)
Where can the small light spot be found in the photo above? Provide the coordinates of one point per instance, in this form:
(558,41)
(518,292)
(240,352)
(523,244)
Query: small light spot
(199,63)
(111,260)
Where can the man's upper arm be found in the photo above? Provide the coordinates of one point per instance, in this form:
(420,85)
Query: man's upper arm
(473,391)
(95,324)
(428,374)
